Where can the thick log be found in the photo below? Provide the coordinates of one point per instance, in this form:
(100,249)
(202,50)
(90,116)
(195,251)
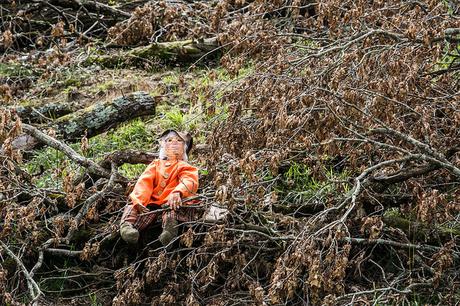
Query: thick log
(44,113)
(169,52)
(421,231)
(128,157)
(95,119)
(99,117)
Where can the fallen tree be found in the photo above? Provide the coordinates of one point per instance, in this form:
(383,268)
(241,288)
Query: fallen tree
(337,160)
(44,113)
(93,120)
(188,51)
(100,116)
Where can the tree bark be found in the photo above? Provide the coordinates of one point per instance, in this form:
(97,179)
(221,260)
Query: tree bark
(170,52)
(422,231)
(95,119)
(44,113)
(128,157)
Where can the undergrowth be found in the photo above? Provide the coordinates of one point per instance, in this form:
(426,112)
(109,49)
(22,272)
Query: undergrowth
(194,112)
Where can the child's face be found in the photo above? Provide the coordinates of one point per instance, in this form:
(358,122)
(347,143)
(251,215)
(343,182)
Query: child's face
(174,146)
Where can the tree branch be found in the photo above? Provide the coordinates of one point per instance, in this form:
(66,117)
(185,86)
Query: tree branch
(34,289)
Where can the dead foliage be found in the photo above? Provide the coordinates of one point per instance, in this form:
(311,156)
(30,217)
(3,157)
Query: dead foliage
(363,95)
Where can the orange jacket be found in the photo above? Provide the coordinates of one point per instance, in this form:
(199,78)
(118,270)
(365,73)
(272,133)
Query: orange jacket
(161,178)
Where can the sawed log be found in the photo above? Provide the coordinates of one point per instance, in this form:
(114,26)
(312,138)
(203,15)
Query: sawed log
(95,119)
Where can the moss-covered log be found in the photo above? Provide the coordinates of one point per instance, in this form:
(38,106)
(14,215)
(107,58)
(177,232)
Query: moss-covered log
(32,113)
(100,116)
(169,52)
(421,231)
(95,119)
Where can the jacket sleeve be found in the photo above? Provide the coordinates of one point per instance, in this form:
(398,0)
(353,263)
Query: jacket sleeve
(143,189)
(188,181)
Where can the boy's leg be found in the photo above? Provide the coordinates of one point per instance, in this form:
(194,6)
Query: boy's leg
(169,225)
(170,222)
(135,218)
(128,231)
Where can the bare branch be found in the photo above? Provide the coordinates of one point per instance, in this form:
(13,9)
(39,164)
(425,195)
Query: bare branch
(34,289)
(68,151)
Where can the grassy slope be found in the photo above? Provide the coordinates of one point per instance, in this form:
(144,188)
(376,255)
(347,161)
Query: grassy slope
(188,102)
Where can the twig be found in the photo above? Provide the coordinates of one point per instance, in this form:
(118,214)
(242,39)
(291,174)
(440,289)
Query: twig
(87,204)
(433,156)
(34,289)
(419,247)
(406,290)
(62,252)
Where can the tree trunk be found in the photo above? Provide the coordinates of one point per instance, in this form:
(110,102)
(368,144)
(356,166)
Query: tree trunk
(44,113)
(95,119)
(421,231)
(128,157)
(170,52)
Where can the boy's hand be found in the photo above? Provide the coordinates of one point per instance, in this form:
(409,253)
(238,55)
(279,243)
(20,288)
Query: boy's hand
(174,200)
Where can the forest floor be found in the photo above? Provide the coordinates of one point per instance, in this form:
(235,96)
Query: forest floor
(329,131)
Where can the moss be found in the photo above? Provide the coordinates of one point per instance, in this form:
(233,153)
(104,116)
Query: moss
(166,51)
(28,103)
(72,82)
(105,86)
(73,122)
(171,78)
(69,89)
(392,212)
(419,230)
(16,70)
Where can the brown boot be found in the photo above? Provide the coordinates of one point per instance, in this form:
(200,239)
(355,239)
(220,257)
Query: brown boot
(129,233)
(169,231)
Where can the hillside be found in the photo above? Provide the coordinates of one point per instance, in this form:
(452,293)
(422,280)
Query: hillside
(329,131)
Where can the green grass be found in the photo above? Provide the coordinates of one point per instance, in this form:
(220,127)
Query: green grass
(131,171)
(131,135)
(15,70)
(93,300)
(141,134)
(55,165)
(47,166)
(298,185)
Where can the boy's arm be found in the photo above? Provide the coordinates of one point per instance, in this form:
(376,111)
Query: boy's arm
(188,181)
(143,189)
